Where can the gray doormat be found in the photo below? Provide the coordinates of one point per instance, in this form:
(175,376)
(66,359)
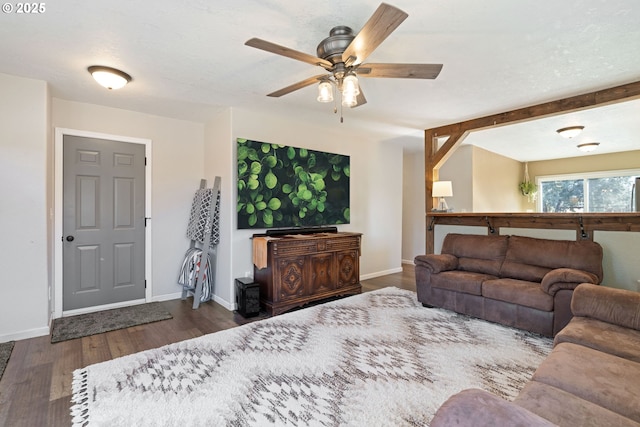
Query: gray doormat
(83,325)
(5,352)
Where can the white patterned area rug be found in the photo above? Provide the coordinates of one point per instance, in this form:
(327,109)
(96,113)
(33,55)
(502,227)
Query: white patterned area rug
(374,359)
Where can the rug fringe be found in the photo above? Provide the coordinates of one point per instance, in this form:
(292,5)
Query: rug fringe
(80,396)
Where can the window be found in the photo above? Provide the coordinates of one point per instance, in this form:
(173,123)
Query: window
(609,191)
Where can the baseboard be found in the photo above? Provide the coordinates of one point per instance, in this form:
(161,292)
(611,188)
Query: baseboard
(407,261)
(178,295)
(380,273)
(226,304)
(167,297)
(23,335)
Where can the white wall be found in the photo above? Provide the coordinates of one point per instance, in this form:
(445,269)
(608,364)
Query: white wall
(183,152)
(495,182)
(177,167)
(218,156)
(376,184)
(620,261)
(413,205)
(459,170)
(24,165)
(483,181)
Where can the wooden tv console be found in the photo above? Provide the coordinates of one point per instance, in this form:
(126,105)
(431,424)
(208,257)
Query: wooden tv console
(305,268)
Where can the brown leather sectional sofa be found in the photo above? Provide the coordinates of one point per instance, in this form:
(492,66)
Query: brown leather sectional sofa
(591,378)
(513,280)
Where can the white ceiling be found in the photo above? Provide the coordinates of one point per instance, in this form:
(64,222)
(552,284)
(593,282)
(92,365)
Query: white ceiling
(616,127)
(188,58)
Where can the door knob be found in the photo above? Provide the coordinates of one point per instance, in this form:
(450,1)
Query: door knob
(70,238)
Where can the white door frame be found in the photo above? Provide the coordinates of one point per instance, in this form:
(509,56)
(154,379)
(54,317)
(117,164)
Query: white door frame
(58,189)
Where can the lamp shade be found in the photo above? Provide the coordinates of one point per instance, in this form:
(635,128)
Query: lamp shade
(442,189)
(350,91)
(325,92)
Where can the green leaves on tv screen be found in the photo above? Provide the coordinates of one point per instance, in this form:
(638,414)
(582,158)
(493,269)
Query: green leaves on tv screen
(283,186)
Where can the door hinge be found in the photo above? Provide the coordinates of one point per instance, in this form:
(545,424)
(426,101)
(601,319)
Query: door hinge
(145,283)
(145,220)
(145,161)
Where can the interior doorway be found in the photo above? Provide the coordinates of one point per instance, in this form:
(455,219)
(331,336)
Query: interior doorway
(102,222)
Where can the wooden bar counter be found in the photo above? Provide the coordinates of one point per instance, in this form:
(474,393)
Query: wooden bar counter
(583,223)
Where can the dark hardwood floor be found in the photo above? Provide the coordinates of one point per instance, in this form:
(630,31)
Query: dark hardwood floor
(35,389)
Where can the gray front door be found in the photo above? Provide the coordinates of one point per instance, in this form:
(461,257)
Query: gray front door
(103,222)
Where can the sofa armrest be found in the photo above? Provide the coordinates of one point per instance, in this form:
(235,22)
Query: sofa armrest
(437,262)
(566,278)
(479,408)
(616,306)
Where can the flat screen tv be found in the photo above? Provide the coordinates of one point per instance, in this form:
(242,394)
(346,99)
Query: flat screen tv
(283,187)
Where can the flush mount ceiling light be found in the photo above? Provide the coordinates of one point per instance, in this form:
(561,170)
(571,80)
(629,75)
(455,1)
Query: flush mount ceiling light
(571,131)
(590,146)
(109,77)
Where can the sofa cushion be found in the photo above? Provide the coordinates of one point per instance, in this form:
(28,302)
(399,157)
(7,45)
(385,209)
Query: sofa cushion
(521,292)
(460,281)
(602,336)
(479,253)
(553,404)
(518,270)
(478,408)
(528,258)
(616,306)
(608,381)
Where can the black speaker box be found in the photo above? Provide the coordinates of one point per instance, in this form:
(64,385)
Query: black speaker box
(247,297)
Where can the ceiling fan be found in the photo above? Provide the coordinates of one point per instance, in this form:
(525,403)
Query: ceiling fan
(342,55)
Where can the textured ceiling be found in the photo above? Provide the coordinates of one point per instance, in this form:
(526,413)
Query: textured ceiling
(188,58)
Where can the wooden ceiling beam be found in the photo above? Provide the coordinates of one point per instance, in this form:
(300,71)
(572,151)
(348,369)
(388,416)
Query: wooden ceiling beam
(578,102)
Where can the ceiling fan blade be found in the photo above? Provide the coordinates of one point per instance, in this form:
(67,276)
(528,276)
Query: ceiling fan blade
(400,71)
(360,99)
(289,53)
(296,86)
(382,23)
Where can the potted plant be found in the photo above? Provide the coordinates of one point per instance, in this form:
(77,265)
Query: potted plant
(527,187)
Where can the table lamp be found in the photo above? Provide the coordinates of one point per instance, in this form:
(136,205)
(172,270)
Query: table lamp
(442,189)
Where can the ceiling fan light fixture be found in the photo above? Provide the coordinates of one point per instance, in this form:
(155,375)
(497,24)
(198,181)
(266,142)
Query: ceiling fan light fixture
(571,131)
(108,77)
(350,85)
(350,90)
(589,146)
(325,91)
(349,100)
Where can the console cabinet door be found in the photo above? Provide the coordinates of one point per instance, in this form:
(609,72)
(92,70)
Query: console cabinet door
(290,279)
(348,271)
(322,273)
